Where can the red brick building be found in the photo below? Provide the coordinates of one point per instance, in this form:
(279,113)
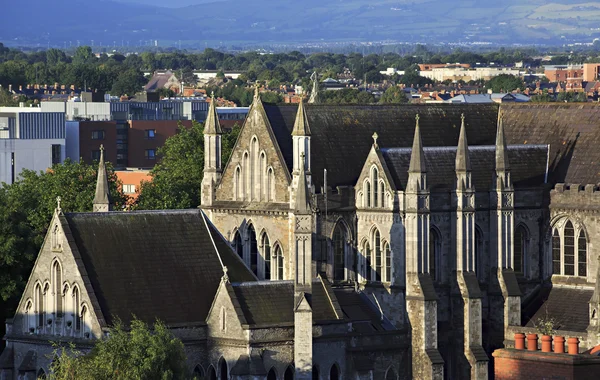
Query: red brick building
(131,143)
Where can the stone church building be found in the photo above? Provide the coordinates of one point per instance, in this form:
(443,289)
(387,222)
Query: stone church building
(342,242)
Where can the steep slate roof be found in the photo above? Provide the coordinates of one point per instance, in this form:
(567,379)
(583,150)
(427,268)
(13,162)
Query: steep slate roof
(568,306)
(341,134)
(272,302)
(528,165)
(572,130)
(158,80)
(154,264)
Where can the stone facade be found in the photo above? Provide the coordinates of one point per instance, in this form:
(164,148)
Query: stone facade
(450,259)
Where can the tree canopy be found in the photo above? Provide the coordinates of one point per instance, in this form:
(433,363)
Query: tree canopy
(137,353)
(177,177)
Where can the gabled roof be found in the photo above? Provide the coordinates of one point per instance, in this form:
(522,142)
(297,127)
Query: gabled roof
(272,302)
(341,134)
(158,80)
(528,165)
(568,307)
(268,303)
(571,129)
(154,264)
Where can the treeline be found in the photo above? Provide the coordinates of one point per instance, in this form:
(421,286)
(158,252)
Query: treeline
(120,74)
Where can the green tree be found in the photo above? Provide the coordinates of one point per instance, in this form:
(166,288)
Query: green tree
(393,94)
(176,178)
(83,54)
(128,82)
(127,354)
(505,83)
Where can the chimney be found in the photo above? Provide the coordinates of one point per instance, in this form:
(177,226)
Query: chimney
(20,88)
(54,92)
(62,86)
(28,86)
(10,88)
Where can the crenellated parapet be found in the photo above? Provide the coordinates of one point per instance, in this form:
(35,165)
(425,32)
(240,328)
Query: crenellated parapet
(575,197)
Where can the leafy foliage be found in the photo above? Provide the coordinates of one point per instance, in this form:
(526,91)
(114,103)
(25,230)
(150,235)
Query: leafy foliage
(394,95)
(177,177)
(140,353)
(505,83)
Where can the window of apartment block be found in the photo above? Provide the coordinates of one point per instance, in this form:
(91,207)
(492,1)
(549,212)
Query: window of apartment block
(150,133)
(95,155)
(56,154)
(129,189)
(97,135)
(150,154)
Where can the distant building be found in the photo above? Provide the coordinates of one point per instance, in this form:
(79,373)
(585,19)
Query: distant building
(489,98)
(391,71)
(460,72)
(164,79)
(29,139)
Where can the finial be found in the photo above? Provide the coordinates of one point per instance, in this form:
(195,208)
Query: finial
(256,88)
(302,154)
(212,94)
(462,118)
(101,147)
(417,119)
(375,137)
(58,204)
(225,275)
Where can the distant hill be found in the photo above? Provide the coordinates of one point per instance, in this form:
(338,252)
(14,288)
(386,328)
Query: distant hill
(278,21)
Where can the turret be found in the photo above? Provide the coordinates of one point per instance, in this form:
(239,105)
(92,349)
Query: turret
(101,201)
(212,154)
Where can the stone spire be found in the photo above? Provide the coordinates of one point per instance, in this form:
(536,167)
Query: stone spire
(463,164)
(302,193)
(417,156)
(102,197)
(212,125)
(501,156)
(301,127)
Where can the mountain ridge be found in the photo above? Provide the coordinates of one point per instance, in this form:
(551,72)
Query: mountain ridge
(256,22)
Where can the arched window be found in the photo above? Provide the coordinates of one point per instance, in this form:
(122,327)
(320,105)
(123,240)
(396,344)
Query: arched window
(254,169)
(521,238)
(198,373)
(75,308)
(212,374)
(279,258)
(29,317)
(368,194)
(334,373)
(478,250)
(382,193)
(237,186)
(266,252)
(270,188)
(289,374)
(237,244)
(368,268)
(339,254)
(262,172)
(388,262)
(246,178)
(582,255)
(377,245)
(435,248)
(84,321)
(375,187)
(569,249)
(272,374)
(315,373)
(253,249)
(224,373)
(555,252)
(391,374)
(39,301)
(56,243)
(57,279)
